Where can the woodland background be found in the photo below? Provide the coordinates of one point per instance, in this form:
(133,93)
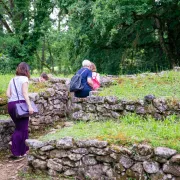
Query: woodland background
(119,36)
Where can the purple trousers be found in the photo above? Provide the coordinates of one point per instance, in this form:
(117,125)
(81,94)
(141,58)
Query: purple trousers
(20,134)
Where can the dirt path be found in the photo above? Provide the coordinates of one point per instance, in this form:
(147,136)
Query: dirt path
(9,169)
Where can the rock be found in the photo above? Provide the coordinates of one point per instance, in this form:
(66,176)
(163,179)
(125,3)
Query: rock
(33,96)
(95,99)
(140,110)
(35,144)
(115,156)
(76,107)
(47,148)
(68,162)
(138,168)
(130,107)
(151,167)
(164,152)
(91,143)
(92,172)
(149,98)
(144,149)
(119,167)
(80,151)
(98,151)
(175,159)
(65,143)
(39,164)
(106,159)
(52,173)
(49,92)
(70,172)
(30,159)
(117,107)
(91,108)
(157,176)
(75,157)
(120,149)
(115,114)
(126,161)
(172,169)
(54,165)
(89,160)
(58,153)
(111,100)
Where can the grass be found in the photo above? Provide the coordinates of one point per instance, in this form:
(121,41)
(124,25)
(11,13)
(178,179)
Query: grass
(165,86)
(4,117)
(128,130)
(40,176)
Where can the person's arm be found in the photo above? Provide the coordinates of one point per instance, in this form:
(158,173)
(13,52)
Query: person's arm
(90,82)
(8,92)
(98,77)
(26,97)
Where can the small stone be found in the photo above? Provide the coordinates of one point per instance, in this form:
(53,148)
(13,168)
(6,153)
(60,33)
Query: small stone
(126,161)
(151,167)
(164,152)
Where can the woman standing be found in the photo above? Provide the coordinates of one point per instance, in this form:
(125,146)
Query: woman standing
(20,134)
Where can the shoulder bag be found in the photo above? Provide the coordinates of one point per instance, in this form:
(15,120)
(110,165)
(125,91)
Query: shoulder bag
(22,108)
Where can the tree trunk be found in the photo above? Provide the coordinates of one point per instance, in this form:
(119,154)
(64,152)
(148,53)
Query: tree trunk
(43,54)
(51,57)
(162,43)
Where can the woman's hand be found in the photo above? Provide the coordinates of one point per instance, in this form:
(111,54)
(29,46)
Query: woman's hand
(31,111)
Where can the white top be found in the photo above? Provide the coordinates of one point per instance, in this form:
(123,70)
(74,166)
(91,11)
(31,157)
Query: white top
(95,74)
(19,81)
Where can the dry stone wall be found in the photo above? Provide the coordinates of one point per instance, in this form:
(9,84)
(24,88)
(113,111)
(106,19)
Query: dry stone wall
(97,107)
(52,104)
(6,130)
(93,159)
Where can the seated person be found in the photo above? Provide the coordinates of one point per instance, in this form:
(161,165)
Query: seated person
(95,77)
(87,83)
(43,77)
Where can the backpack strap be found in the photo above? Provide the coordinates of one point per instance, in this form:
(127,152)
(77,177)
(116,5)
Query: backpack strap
(82,71)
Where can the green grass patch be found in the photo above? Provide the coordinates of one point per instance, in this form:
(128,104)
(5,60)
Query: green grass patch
(164,85)
(4,117)
(128,130)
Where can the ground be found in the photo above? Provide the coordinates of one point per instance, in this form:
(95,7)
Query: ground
(9,169)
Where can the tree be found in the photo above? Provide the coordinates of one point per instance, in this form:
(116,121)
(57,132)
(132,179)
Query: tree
(24,22)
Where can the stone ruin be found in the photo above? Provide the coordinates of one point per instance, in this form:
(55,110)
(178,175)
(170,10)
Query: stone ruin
(92,158)
(97,160)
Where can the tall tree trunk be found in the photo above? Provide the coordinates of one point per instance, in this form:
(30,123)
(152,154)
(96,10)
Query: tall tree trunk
(166,50)
(43,59)
(51,57)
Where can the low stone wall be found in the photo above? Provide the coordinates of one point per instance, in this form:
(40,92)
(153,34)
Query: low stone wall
(96,107)
(6,130)
(93,159)
(52,104)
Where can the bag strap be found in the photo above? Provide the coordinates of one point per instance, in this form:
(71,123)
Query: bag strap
(82,71)
(16,90)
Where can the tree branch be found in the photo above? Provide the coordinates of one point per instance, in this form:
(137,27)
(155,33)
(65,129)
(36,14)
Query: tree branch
(5,24)
(6,8)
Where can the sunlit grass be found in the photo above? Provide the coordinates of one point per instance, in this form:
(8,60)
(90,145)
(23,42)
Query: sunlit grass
(166,85)
(4,117)
(128,130)
(4,81)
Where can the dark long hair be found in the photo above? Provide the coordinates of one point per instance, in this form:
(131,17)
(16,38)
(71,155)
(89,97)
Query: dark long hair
(23,70)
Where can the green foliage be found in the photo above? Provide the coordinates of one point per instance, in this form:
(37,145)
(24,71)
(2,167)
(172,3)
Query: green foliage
(129,129)
(120,37)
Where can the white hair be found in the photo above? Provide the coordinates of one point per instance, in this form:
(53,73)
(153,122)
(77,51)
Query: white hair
(86,63)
